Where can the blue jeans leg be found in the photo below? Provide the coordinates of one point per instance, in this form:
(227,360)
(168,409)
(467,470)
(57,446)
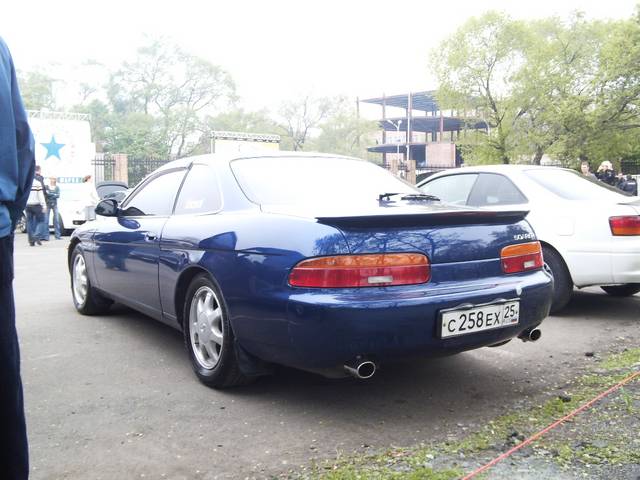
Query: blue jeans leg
(43,225)
(32,225)
(14,454)
(56,222)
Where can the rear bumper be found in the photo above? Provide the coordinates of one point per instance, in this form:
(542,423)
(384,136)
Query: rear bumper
(326,328)
(625,266)
(614,263)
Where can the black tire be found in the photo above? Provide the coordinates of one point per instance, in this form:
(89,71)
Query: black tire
(225,371)
(562,282)
(65,232)
(625,290)
(93,303)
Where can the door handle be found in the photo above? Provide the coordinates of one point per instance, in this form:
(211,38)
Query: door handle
(150,236)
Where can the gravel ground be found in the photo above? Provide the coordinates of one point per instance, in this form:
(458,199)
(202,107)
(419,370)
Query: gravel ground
(601,442)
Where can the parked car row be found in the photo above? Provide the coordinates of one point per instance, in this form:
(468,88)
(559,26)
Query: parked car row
(318,262)
(335,266)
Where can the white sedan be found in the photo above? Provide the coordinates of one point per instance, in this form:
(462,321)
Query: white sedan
(590,232)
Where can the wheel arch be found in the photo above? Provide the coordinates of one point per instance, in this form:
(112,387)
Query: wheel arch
(548,245)
(185,279)
(75,241)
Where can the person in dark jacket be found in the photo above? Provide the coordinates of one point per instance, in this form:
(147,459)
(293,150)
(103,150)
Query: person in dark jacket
(52,194)
(606,173)
(43,224)
(17,164)
(36,206)
(629,185)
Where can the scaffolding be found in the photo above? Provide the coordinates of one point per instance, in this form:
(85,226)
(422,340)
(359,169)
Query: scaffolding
(424,136)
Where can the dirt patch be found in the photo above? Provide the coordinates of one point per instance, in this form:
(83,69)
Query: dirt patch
(602,442)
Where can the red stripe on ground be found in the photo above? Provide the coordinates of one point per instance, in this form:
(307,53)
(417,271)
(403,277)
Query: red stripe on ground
(534,437)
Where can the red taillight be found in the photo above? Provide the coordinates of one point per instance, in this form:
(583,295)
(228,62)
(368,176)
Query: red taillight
(369,270)
(625,226)
(521,257)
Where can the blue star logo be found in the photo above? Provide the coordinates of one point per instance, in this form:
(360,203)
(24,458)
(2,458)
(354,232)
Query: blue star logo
(53,148)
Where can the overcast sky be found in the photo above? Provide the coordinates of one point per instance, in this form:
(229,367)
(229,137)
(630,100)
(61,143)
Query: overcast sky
(274,49)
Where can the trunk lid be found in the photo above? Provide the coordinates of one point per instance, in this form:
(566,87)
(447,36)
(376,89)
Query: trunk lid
(445,233)
(633,202)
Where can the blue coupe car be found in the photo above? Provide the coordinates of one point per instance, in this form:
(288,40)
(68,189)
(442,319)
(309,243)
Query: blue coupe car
(318,262)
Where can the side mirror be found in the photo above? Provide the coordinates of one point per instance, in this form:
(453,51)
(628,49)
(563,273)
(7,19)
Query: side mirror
(107,208)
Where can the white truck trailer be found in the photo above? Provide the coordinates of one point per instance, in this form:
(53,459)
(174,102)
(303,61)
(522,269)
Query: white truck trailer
(64,150)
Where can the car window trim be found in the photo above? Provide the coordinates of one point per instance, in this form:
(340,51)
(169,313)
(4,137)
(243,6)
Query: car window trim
(184,179)
(508,179)
(453,174)
(144,183)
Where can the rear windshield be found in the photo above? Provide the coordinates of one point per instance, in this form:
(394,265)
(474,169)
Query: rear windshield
(574,186)
(313,180)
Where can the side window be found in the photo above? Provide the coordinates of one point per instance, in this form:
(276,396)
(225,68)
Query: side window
(156,197)
(493,189)
(453,189)
(199,193)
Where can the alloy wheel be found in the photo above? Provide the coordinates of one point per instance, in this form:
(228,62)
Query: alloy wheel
(206,328)
(80,280)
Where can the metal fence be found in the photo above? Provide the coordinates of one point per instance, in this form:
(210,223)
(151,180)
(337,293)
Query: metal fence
(103,168)
(137,168)
(630,166)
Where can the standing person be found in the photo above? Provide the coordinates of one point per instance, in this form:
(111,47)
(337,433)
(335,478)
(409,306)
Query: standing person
(16,173)
(36,206)
(606,173)
(91,198)
(586,170)
(52,194)
(43,224)
(631,186)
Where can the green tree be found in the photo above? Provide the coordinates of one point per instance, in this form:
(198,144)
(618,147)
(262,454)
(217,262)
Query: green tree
(240,120)
(101,121)
(476,68)
(567,88)
(343,132)
(37,91)
(176,89)
(301,117)
(138,134)
(555,86)
(616,110)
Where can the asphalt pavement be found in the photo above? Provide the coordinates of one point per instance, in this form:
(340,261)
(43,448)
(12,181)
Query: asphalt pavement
(114,397)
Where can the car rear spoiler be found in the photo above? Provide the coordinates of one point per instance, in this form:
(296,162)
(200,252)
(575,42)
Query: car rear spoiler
(451,218)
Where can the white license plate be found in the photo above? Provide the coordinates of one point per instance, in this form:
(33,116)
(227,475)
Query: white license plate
(477,319)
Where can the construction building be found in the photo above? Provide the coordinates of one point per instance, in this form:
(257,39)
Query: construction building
(417,134)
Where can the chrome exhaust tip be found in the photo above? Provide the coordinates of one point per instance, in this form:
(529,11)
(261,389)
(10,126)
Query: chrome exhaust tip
(531,335)
(361,368)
